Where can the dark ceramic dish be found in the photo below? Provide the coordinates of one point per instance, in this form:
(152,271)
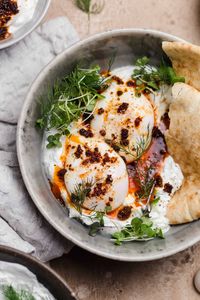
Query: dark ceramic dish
(57,287)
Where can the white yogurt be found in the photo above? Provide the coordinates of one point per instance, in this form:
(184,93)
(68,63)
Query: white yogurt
(171,173)
(51,157)
(27,9)
(19,277)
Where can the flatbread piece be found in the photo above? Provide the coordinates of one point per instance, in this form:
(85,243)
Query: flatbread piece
(183,140)
(185,59)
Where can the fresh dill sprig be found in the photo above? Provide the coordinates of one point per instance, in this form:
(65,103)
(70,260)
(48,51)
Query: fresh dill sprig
(80,192)
(112,60)
(78,196)
(74,95)
(138,150)
(145,182)
(11,294)
(142,144)
(90,6)
(139,229)
(149,79)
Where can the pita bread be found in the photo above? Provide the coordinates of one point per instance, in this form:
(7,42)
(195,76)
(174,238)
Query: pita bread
(183,140)
(185,204)
(185,60)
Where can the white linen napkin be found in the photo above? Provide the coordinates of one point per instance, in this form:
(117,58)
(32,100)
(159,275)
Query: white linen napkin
(21,225)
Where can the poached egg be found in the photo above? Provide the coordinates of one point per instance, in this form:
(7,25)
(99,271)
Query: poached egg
(92,160)
(122,117)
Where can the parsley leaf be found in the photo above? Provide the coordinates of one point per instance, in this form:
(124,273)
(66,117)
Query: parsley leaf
(148,78)
(139,229)
(54,141)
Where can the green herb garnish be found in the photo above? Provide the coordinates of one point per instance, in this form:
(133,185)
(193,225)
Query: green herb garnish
(11,294)
(135,151)
(74,95)
(99,223)
(90,7)
(149,79)
(139,229)
(145,182)
(146,185)
(54,141)
(80,192)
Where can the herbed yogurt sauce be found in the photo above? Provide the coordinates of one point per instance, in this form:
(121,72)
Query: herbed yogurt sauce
(20,278)
(170,171)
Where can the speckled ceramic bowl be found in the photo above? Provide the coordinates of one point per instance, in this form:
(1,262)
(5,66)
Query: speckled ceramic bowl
(54,283)
(40,12)
(127,44)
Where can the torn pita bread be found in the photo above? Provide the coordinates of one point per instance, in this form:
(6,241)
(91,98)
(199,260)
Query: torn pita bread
(185,204)
(185,59)
(183,140)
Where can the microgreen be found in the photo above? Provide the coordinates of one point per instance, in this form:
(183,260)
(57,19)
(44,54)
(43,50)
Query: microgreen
(74,95)
(149,79)
(139,229)
(11,294)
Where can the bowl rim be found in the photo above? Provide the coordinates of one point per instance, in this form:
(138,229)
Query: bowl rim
(15,253)
(7,43)
(40,77)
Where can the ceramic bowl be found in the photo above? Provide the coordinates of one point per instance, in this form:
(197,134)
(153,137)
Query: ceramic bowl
(127,44)
(46,276)
(40,12)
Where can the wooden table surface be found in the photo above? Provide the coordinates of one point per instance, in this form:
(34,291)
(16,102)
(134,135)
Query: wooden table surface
(95,278)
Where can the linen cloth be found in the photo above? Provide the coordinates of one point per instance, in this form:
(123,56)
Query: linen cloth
(21,224)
